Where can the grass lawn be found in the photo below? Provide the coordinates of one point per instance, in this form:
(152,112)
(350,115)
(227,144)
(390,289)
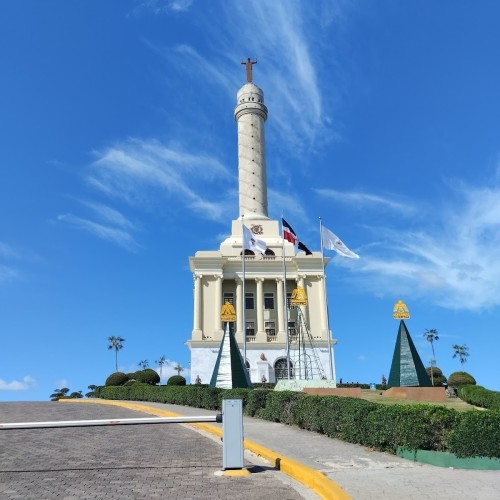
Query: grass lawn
(376,397)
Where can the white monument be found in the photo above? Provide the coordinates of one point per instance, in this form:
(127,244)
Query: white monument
(218,275)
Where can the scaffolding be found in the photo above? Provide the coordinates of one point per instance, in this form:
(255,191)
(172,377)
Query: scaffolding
(306,364)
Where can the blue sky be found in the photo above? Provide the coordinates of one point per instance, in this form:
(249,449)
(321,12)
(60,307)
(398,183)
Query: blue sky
(118,161)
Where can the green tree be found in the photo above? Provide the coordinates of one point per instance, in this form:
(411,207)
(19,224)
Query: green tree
(160,362)
(432,336)
(144,364)
(461,352)
(115,343)
(59,393)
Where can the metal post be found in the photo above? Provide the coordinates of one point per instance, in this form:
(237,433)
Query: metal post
(232,434)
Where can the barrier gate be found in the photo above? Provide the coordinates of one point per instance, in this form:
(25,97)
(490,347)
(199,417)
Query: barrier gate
(231,419)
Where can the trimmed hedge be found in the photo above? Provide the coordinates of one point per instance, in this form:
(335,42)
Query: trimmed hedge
(147,376)
(458,379)
(176,380)
(382,427)
(477,395)
(117,378)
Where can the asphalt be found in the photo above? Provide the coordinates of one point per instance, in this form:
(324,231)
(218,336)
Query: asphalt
(347,470)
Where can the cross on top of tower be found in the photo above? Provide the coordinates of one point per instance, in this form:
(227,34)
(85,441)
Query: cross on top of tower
(248,65)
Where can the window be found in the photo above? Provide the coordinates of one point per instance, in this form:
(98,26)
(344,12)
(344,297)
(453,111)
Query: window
(289,304)
(280,370)
(268,300)
(228,297)
(291,329)
(250,328)
(249,304)
(270,328)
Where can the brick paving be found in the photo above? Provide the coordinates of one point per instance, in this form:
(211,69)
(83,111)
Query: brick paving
(118,462)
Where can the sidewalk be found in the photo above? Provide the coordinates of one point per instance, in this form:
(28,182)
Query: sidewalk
(360,472)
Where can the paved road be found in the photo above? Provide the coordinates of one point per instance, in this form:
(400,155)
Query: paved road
(362,473)
(123,462)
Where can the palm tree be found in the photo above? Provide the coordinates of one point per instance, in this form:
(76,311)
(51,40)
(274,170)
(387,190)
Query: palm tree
(179,369)
(160,362)
(115,343)
(462,352)
(144,364)
(432,336)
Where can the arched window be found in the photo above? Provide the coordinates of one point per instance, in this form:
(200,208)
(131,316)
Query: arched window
(269,252)
(280,371)
(248,252)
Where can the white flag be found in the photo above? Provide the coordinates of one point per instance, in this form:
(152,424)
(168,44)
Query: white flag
(250,242)
(333,242)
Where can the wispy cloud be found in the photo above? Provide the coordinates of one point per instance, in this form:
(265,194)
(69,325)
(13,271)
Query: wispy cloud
(453,262)
(18,385)
(142,171)
(289,43)
(359,199)
(164,6)
(115,235)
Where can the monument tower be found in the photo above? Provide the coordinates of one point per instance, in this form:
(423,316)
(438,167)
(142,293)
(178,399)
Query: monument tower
(273,328)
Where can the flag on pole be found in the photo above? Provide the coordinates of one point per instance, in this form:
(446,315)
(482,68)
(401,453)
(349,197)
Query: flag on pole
(289,235)
(250,242)
(332,242)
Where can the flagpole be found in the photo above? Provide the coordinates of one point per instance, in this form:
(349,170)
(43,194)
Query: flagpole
(285,301)
(243,293)
(326,300)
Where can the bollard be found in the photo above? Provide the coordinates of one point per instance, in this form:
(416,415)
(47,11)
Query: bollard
(232,434)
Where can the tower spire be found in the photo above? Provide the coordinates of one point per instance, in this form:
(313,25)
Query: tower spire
(250,114)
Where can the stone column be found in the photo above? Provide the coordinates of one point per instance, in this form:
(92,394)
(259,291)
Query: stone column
(218,304)
(322,307)
(197,303)
(281,308)
(239,306)
(260,307)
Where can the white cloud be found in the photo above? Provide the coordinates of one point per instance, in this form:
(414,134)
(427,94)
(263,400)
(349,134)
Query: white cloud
(112,234)
(452,261)
(18,385)
(142,172)
(362,200)
(164,6)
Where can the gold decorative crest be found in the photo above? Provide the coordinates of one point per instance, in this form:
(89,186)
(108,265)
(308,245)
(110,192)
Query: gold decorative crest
(257,229)
(227,313)
(299,297)
(400,310)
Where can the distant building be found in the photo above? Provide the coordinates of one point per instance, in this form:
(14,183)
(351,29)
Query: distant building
(218,277)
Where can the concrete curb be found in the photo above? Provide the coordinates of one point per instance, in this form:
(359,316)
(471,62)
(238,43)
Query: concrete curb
(311,478)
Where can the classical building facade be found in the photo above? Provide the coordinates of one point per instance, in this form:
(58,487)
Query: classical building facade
(269,317)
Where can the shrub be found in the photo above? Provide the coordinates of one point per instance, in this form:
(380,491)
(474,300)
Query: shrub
(476,434)
(117,378)
(437,376)
(176,380)
(457,379)
(147,376)
(477,395)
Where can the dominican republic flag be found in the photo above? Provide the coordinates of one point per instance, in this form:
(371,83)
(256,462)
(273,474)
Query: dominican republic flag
(289,235)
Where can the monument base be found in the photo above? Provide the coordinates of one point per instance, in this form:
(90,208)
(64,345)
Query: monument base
(345,392)
(417,393)
(299,385)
